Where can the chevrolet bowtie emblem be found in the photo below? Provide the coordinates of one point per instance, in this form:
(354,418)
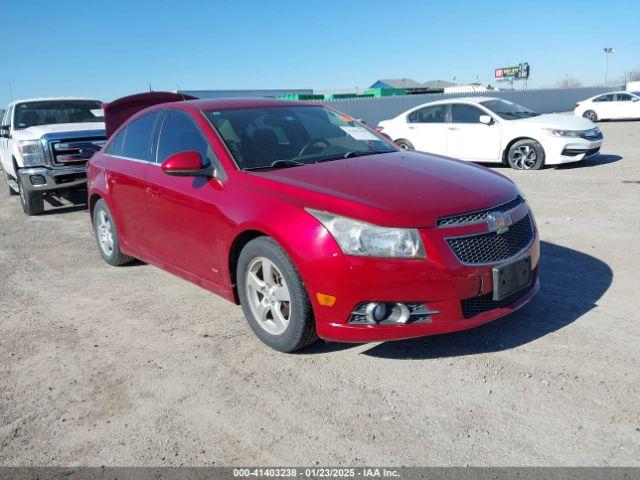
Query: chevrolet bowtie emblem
(499,222)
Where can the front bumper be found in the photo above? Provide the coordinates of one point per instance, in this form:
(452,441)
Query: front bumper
(440,281)
(46,179)
(567,150)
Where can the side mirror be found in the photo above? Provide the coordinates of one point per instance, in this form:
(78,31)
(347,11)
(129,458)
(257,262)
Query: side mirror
(635,99)
(186,164)
(4,131)
(486,119)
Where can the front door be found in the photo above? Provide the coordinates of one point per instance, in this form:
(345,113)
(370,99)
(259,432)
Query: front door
(468,139)
(626,106)
(186,226)
(427,129)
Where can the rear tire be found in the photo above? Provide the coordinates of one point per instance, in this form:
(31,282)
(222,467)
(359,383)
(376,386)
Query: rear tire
(32,202)
(590,115)
(107,237)
(404,144)
(526,154)
(273,297)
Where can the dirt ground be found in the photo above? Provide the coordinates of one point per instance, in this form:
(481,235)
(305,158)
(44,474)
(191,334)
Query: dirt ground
(133,366)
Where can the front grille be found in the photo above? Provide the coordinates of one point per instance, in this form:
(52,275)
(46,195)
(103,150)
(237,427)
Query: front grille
(493,247)
(74,151)
(478,215)
(483,303)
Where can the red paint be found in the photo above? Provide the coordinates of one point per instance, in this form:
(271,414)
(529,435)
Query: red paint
(182,162)
(187,225)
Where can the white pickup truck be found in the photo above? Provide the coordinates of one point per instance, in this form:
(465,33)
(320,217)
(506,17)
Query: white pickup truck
(45,144)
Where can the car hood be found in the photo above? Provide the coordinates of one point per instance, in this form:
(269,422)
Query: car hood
(36,132)
(554,120)
(401,189)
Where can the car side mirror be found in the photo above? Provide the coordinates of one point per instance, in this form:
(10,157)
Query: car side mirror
(635,99)
(486,119)
(186,164)
(4,131)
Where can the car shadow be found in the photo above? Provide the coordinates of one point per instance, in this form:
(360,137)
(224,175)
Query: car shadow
(595,161)
(572,282)
(66,202)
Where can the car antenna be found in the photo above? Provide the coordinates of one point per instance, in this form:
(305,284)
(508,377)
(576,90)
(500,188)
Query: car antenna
(150,89)
(178,91)
(11,90)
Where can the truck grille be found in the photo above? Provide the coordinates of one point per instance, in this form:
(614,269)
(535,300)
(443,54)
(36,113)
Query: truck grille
(493,247)
(478,215)
(74,151)
(483,303)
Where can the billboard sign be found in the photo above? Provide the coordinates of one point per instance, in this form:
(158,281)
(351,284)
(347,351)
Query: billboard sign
(521,72)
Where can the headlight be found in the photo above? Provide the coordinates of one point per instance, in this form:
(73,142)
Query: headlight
(564,133)
(363,239)
(31,152)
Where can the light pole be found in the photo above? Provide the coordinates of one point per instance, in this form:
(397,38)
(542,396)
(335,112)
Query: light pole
(607,51)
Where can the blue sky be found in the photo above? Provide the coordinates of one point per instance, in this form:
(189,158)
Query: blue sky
(108,49)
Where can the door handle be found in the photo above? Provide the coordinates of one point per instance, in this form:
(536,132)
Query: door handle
(453,128)
(153,192)
(412,127)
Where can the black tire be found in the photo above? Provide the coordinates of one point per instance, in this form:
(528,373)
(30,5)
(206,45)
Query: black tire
(526,154)
(404,144)
(12,192)
(113,256)
(300,330)
(590,115)
(32,202)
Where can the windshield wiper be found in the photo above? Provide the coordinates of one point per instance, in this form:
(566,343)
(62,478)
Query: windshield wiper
(284,163)
(353,153)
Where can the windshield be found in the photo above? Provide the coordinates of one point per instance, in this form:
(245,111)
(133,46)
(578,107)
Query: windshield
(508,110)
(278,137)
(50,112)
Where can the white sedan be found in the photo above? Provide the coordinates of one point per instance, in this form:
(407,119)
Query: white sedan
(492,130)
(610,106)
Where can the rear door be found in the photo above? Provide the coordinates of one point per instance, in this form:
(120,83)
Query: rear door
(603,106)
(427,129)
(127,179)
(184,212)
(468,139)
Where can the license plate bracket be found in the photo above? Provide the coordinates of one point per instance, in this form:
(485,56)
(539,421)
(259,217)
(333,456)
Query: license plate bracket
(508,279)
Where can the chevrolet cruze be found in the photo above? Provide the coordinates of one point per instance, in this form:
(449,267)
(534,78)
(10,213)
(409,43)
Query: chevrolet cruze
(316,225)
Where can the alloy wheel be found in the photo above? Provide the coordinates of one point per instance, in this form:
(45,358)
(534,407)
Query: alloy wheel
(524,157)
(268,295)
(105,233)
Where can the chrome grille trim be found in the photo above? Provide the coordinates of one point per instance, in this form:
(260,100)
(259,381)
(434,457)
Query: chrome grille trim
(477,216)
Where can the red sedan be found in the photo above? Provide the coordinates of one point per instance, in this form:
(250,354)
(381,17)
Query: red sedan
(315,224)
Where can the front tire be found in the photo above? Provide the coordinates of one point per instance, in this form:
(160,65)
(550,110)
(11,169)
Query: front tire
(273,297)
(404,144)
(107,236)
(526,154)
(590,115)
(32,202)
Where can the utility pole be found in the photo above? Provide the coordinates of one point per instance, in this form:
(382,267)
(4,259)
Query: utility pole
(607,51)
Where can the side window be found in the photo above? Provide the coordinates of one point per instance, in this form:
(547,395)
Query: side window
(179,134)
(115,146)
(137,141)
(461,113)
(604,98)
(433,114)
(623,97)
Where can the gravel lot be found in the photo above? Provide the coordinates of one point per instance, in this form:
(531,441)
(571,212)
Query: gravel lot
(133,366)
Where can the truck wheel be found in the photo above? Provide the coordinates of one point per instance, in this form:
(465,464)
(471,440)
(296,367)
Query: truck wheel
(11,190)
(273,298)
(32,202)
(107,236)
(526,154)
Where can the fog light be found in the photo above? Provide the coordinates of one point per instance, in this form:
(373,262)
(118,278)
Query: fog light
(37,180)
(390,313)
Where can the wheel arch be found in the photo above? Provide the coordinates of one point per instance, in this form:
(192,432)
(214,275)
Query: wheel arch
(237,245)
